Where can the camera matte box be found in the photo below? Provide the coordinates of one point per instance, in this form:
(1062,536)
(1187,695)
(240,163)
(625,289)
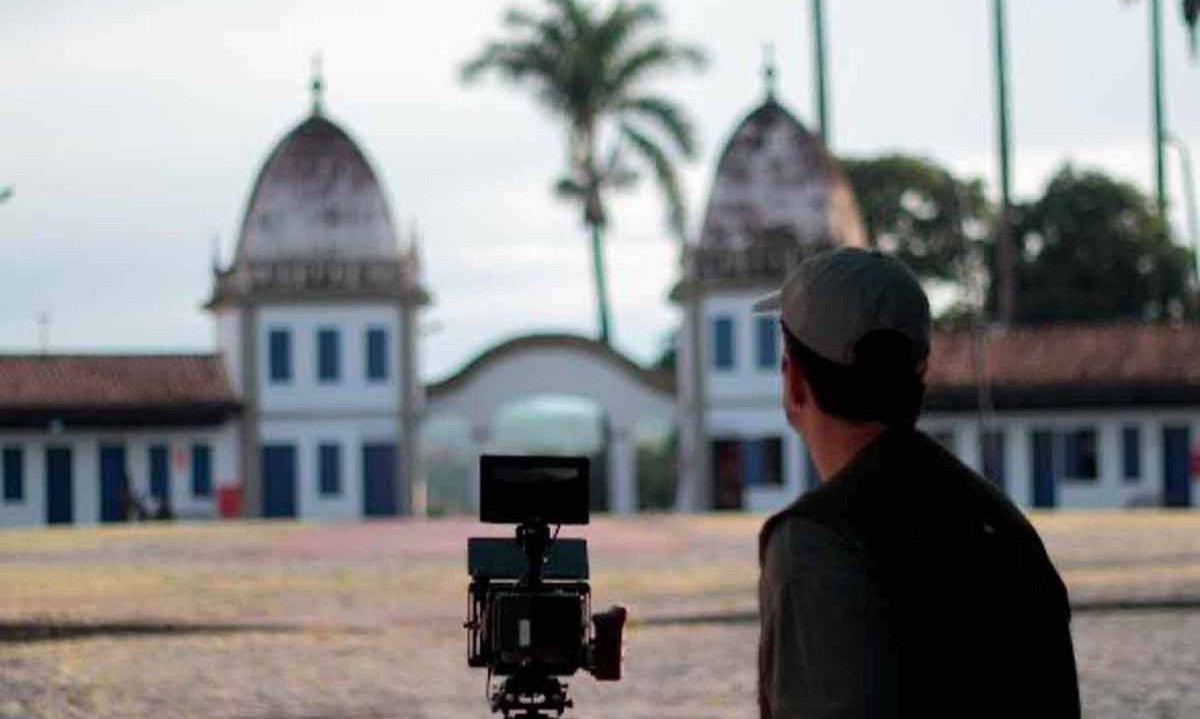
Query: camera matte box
(514,489)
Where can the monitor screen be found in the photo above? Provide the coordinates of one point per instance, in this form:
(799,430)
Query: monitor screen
(516,489)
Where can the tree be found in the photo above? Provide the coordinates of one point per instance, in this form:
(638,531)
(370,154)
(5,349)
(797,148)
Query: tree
(918,211)
(591,70)
(1094,248)
(1191,15)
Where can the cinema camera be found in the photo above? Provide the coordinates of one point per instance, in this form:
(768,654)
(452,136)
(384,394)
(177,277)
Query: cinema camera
(529,618)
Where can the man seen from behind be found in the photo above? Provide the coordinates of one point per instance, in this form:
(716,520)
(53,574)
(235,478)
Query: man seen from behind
(905,585)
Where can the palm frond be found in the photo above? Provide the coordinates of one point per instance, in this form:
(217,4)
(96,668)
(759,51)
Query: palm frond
(515,61)
(623,23)
(654,56)
(664,174)
(568,188)
(668,116)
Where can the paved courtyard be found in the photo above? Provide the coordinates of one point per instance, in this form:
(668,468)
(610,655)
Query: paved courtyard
(295,621)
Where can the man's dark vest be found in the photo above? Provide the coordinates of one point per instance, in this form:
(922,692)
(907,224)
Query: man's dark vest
(978,614)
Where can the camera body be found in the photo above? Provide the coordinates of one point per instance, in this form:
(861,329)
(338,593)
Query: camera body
(529,617)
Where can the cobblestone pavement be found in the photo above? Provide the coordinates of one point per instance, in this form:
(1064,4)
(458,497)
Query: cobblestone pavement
(288,621)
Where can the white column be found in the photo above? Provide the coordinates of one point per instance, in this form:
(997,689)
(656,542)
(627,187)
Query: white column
(481,435)
(1018,455)
(1109,469)
(622,471)
(1152,459)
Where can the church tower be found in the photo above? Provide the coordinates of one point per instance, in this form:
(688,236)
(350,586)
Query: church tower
(317,325)
(778,196)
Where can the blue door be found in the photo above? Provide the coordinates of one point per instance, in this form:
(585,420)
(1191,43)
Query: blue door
(1043,469)
(278,480)
(114,486)
(60,504)
(160,474)
(379,487)
(1177,481)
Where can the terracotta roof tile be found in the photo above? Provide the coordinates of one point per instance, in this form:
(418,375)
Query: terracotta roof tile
(1062,355)
(112,381)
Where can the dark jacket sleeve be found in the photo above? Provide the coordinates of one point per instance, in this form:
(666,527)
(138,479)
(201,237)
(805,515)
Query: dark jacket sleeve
(824,651)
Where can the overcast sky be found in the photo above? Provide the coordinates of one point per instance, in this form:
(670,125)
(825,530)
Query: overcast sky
(132,131)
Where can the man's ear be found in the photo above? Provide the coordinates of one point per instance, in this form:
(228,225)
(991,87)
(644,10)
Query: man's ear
(795,388)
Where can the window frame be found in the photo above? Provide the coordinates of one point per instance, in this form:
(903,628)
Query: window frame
(280,367)
(381,333)
(766,329)
(329,355)
(13,456)
(1131,432)
(202,482)
(329,457)
(1066,442)
(759,449)
(993,448)
(724,326)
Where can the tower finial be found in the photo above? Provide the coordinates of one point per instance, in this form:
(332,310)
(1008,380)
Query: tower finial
(317,85)
(769,69)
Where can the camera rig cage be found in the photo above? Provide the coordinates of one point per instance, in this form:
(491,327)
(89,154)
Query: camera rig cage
(529,601)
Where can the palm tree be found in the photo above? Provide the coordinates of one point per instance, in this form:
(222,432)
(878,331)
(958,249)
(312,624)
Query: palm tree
(1191,14)
(591,69)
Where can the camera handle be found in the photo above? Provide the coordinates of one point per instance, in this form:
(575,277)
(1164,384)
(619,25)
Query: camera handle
(534,537)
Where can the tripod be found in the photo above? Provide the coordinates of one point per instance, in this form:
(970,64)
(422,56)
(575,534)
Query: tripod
(531,696)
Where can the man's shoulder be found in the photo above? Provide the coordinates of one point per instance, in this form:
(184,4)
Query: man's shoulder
(812,517)
(795,543)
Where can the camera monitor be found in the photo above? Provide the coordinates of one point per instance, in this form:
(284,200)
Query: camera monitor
(519,489)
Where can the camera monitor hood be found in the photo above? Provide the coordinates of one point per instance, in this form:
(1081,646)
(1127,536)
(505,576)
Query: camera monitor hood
(533,489)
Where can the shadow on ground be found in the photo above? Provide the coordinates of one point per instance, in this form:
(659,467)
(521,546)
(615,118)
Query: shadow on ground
(56,630)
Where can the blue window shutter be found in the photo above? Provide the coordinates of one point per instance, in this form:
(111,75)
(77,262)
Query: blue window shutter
(201,470)
(767,334)
(279,348)
(330,468)
(377,354)
(1131,453)
(14,474)
(723,339)
(994,467)
(328,355)
(753,464)
(159,472)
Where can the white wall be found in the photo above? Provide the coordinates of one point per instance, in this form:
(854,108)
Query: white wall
(85,459)
(565,371)
(352,393)
(1109,489)
(746,382)
(306,435)
(229,343)
(757,424)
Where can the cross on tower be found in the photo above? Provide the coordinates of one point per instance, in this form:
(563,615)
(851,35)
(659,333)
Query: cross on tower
(317,84)
(769,69)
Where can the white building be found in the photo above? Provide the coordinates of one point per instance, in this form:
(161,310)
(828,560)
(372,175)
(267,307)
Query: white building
(316,324)
(1084,416)
(312,406)
(84,438)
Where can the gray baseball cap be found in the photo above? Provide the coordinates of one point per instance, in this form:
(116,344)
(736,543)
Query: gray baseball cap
(834,298)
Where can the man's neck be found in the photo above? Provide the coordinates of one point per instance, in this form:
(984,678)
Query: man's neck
(834,443)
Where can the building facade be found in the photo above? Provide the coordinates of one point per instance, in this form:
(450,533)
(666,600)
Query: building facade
(316,324)
(91,439)
(1096,416)
(312,405)
(777,196)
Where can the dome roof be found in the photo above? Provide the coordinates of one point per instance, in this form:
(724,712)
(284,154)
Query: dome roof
(317,198)
(776,180)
